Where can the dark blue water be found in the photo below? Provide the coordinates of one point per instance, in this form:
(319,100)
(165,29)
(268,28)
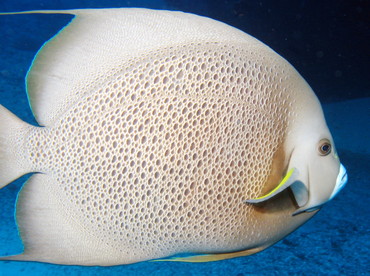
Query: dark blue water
(329,45)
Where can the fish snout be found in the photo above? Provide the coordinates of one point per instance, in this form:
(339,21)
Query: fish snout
(342,179)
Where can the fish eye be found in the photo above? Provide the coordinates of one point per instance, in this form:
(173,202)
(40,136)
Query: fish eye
(324,147)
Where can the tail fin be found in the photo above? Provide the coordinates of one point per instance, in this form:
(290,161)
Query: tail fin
(13,156)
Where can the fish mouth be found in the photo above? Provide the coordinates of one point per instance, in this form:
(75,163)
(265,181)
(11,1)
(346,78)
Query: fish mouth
(342,180)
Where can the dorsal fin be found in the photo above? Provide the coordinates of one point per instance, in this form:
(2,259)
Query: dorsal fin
(98,42)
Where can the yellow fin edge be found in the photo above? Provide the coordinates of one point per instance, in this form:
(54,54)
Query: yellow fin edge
(285,179)
(212,257)
(288,180)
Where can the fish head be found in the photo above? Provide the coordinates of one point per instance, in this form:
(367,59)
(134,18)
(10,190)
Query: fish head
(320,174)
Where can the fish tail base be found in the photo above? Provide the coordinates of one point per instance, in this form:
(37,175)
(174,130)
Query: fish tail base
(13,158)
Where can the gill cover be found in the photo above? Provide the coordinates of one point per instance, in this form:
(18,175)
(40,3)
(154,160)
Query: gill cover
(316,202)
(301,191)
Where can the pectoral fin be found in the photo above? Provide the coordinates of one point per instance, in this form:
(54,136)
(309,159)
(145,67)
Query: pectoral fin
(287,181)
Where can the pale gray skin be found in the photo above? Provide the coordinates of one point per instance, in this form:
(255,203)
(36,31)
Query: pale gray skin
(69,75)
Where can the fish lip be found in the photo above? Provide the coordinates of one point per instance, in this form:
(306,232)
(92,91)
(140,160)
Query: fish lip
(341,181)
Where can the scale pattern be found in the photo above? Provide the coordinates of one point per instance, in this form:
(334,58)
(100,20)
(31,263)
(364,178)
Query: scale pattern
(160,159)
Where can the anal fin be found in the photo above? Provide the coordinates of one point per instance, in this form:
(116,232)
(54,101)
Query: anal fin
(51,233)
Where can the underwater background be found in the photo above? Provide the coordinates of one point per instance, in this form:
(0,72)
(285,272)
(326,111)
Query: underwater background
(328,42)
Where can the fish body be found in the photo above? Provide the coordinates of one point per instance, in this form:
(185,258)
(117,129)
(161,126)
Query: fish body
(158,130)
